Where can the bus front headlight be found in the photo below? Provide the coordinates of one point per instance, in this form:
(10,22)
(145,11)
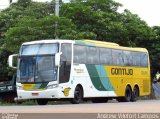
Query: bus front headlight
(52,86)
(19,88)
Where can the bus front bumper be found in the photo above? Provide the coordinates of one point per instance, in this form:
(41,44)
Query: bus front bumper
(40,94)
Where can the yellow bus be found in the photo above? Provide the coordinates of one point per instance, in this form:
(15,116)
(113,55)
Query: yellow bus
(81,69)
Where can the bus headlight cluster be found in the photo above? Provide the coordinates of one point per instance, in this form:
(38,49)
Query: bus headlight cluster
(52,86)
(19,88)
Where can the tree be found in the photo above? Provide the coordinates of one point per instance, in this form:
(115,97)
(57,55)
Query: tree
(96,16)
(29,29)
(154,50)
(11,16)
(135,32)
(24,3)
(100,18)
(4,70)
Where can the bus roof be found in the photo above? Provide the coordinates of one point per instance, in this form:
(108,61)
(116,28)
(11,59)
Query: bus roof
(101,42)
(48,41)
(109,45)
(88,43)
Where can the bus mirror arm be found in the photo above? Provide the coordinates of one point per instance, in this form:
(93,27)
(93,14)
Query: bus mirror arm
(10,60)
(57,59)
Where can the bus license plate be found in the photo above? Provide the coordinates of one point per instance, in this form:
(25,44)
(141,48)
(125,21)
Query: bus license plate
(35,94)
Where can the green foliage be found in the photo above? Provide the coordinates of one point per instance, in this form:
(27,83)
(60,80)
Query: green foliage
(134,31)
(4,69)
(101,19)
(97,17)
(24,3)
(154,50)
(29,29)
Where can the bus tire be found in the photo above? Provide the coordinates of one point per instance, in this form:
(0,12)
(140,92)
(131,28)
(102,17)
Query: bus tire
(135,94)
(42,101)
(128,94)
(78,95)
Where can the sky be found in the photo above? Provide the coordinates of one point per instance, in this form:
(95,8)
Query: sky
(147,10)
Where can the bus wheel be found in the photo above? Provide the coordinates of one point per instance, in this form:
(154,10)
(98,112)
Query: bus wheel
(135,94)
(42,101)
(78,95)
(99,100)
(128,94)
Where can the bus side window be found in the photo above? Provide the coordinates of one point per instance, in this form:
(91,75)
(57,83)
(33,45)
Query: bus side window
(79,54)
(117,57)
(92,55)
(127,56)
(65,68)
(105,56)
(144,59)
(136,58)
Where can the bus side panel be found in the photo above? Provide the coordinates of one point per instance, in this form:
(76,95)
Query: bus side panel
(120,77)
(90,77)
(111,81)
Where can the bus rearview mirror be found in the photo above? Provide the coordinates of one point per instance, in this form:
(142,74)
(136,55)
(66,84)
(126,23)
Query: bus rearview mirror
(11,60)
(57,59)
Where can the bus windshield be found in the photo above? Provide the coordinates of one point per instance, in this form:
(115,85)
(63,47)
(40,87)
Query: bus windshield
(39,49)
(37,64)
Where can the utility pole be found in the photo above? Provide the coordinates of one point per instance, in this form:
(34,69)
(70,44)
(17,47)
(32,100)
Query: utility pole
(57,8)
(56,14)
(10,2)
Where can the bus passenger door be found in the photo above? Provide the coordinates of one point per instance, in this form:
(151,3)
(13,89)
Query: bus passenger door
(65,68)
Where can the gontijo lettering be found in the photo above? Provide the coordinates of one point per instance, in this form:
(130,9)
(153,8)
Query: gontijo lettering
(121,71)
